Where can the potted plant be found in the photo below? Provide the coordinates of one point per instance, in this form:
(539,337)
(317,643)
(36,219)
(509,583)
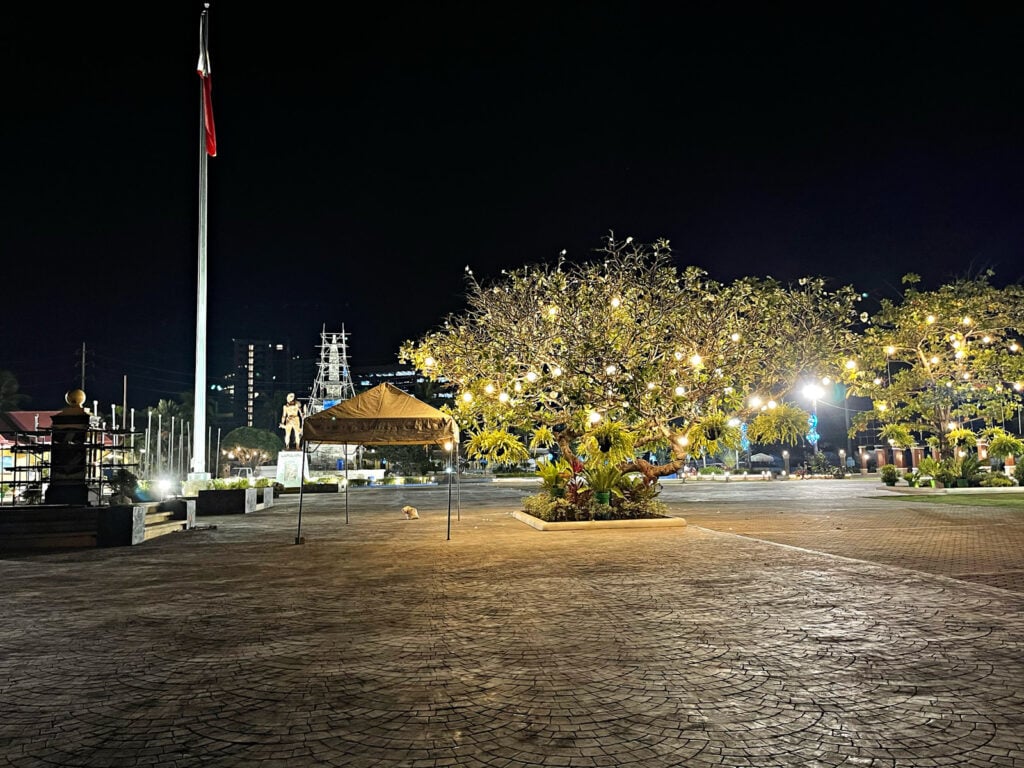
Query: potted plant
(967,470)
(946,475)
(889,474)
(602,480)
(123,485)
(929,469)
(554,475)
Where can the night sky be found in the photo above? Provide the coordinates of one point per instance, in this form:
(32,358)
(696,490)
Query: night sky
(368,154)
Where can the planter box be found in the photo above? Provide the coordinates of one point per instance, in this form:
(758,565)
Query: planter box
(234,501)
(590,525)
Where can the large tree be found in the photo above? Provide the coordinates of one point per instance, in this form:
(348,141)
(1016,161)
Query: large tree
(626,350)
(940,361)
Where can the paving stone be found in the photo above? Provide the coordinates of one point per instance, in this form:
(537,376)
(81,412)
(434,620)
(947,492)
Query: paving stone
(800,625)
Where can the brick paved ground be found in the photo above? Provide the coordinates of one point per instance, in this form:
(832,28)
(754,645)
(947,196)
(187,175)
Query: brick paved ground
(382,643)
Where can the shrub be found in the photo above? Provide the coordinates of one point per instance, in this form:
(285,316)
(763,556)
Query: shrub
(711,471)
(888,473)
(993,480)
(1018,473)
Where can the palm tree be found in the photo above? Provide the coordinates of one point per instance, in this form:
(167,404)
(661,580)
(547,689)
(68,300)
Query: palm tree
(10,399)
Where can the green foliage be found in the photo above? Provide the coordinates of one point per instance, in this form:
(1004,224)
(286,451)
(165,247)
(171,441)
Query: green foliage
(496,445)
(820,465)
(608,441)
(785,423)
(123,482)
(602,476)
(929,466)
(1018,473)
(228,483)
(712,470)
(897,434)
(967,468)
(1002,444)
(888,474)
(995,480)
(554,475)
(947,473)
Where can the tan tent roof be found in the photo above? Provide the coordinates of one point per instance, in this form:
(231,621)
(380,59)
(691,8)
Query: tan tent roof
(384,415)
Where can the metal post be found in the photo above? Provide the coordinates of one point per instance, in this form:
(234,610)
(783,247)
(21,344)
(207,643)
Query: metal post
(298,531)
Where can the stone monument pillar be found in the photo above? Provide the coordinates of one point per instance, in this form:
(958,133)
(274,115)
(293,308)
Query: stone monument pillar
(68,453)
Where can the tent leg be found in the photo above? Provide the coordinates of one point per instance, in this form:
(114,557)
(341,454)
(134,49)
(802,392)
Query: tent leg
(299,539)
(458,486)
(346,483)
(449,501)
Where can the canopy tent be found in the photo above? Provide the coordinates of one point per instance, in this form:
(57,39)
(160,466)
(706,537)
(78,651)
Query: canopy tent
(384,415)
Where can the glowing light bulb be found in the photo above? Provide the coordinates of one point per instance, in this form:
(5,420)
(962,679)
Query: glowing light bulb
(890,350)
(930,319)
(609,369)
(467,397)
(489,389)
(680,391)
(531,377)
(616,302)
(735,337)
(755,402)
(429,362)
(594,417)
(695,360)
(503,397)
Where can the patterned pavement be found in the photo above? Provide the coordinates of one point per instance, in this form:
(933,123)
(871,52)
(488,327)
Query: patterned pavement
(381,642)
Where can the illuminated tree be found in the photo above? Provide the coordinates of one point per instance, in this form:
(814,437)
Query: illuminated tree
(627,349)
(252,447)
(940,362)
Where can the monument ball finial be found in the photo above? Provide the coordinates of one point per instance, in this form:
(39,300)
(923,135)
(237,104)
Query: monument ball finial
(75,397)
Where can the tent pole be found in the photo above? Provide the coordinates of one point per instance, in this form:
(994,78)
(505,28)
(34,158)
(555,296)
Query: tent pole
(346,483)
(449,496)
(458,481)
(298,532)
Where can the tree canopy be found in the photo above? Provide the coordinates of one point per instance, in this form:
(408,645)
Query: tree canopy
(251,446)
(939,362)
(558,353)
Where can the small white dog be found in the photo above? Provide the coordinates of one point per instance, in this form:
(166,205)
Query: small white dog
(410,513)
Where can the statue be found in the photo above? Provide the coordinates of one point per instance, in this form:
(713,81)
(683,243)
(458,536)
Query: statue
(291,422)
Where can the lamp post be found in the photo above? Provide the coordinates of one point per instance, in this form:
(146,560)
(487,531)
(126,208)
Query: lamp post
(813,393)
(785,463)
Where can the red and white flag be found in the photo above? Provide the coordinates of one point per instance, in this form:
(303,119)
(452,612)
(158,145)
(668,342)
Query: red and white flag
(203,68)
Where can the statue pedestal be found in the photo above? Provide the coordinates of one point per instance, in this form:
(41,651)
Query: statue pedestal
(291,469)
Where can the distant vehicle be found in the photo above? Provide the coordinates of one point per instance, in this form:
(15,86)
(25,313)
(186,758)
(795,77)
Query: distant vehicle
(244,472)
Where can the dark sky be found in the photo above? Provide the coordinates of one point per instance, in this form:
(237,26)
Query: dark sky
(368,153)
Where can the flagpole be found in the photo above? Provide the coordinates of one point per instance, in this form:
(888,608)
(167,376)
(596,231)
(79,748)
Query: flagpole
(205,125)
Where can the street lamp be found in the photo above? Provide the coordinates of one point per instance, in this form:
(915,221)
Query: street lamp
(813,393)
(785,463)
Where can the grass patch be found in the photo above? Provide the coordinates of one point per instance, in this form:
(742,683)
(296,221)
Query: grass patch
(970,500)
